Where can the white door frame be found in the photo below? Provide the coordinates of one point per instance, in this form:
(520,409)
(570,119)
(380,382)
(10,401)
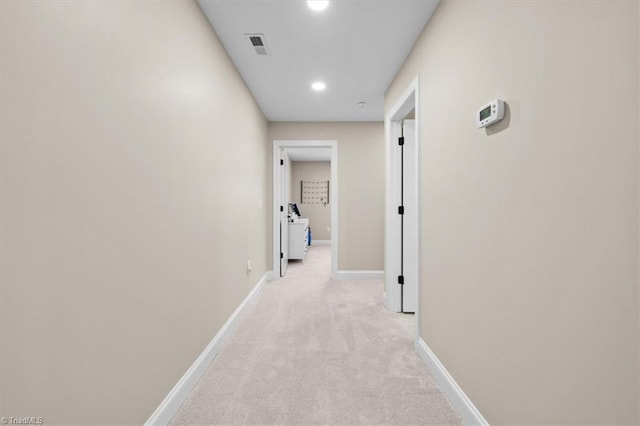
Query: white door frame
(333,197)
(393,126)
(285,183)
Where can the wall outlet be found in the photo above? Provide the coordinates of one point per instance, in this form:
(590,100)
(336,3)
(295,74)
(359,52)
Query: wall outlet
(328,229)
(249,269)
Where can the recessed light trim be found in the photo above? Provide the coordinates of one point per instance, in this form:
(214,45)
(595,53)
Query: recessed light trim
(361,104)
(318,5)
(318,86)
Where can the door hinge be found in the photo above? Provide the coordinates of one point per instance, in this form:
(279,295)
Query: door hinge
(400,209)
(281,255)
(401,279)
(281,208)
(282,162)
(401,140)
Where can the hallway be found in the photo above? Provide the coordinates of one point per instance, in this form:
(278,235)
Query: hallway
(317,351)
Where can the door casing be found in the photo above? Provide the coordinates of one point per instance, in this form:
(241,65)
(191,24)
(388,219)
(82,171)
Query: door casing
(285,179)
(279,145)
(393,130)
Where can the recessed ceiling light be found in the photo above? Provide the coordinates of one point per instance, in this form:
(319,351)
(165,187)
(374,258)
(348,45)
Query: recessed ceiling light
(318,5)
(361,104)
(318,86)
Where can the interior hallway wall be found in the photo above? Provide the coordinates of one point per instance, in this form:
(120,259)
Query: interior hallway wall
(133,192)
(361,186)
(530,228)
(288,164)
(319,215)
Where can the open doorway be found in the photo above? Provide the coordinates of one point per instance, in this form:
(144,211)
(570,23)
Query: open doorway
(402,230)
(302,195)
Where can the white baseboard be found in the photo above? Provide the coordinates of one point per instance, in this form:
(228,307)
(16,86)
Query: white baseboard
(174,400)
(364,275)
(463,405)
(320,242)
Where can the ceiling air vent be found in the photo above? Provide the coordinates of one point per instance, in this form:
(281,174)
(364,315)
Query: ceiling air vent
(258,43)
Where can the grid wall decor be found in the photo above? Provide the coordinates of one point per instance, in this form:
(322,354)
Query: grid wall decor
(314,191)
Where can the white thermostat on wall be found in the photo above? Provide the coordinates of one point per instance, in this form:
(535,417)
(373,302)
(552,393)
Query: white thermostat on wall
(490,113)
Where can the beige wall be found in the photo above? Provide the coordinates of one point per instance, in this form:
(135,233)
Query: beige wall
(319,215)
(361,186)
(530,229)
(288,165)
(126,136)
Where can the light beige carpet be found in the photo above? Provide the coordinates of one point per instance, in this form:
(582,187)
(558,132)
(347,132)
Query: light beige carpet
(312,350)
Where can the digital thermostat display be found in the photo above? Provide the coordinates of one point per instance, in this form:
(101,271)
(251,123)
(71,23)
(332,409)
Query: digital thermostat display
(490,113)
(485,113)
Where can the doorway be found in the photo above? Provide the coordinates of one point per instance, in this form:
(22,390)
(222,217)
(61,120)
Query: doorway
(283,152)
(402,230)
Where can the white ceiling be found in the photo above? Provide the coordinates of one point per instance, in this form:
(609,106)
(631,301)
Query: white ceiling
(309,154)
(355,46)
